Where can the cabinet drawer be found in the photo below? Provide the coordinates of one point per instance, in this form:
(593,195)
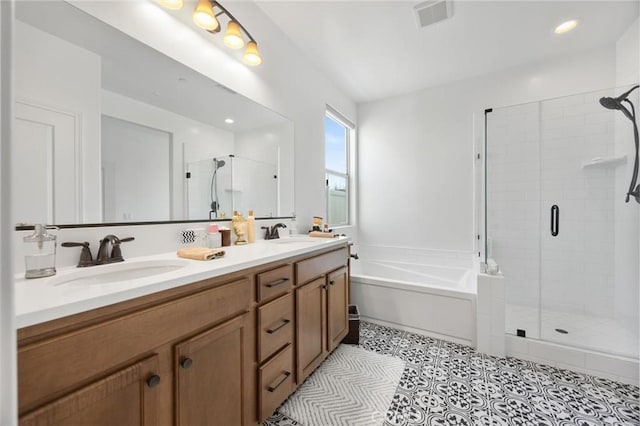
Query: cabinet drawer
(275,321)
(314,267)
(48,368)
(274,283)
(276,382)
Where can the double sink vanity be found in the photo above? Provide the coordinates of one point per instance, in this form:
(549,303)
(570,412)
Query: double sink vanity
(164,340)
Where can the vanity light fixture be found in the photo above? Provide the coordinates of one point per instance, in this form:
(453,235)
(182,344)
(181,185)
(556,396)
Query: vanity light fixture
(206,16)
(566,26)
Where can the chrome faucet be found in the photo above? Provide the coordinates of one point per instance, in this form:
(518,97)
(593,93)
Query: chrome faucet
(116,254)
(272,233)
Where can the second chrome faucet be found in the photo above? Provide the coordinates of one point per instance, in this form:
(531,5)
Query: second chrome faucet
(104,256)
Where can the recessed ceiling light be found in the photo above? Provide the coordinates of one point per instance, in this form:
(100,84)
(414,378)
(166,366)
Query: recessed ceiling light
(566,26)
(229,120)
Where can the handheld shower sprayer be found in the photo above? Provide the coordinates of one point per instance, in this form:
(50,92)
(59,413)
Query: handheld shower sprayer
(213,190)
(617,104)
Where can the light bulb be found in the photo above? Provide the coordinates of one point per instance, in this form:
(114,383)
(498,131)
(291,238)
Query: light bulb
(233,36)
(204,17)
(251,55)
(172,4)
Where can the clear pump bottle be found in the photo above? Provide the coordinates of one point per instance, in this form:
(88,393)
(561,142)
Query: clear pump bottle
(40,253)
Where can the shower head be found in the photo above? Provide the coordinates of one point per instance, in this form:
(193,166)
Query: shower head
(218,163)
(616,103)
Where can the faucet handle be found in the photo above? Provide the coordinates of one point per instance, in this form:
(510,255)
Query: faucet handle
(85,255)
(116,253)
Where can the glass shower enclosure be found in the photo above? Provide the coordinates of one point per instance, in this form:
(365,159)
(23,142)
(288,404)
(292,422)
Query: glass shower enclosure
(557,174)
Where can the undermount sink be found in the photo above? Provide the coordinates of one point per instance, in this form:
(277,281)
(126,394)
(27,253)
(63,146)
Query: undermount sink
(117,272)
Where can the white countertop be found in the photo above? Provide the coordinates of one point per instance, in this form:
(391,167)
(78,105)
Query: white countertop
(40,300)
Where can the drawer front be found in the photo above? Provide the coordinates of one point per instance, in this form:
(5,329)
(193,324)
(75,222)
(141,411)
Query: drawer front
(53,366)
(309,269)
(274,283)
(275,321)
(276,382)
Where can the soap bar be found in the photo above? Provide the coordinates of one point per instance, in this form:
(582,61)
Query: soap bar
(321,234)
(200,253)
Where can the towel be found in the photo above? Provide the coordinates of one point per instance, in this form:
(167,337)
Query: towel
(321,234)
(200,253)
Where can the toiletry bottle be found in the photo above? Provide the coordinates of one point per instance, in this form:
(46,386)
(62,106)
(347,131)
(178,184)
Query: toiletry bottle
(40,253)
(214,238)
(251,227)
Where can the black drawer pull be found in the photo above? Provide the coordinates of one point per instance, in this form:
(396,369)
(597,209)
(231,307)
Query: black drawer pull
(555,220)
(284,322)
(153,381)
(186,363)
(286,374)
(277,283)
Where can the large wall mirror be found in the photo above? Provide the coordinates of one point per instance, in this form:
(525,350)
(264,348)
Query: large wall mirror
(109,130)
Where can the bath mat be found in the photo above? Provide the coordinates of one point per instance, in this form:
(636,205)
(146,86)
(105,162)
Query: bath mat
(352,387)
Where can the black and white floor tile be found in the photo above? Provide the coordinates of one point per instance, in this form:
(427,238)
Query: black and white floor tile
(449,384)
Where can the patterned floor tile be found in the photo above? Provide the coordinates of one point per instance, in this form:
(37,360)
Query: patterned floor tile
(446,383)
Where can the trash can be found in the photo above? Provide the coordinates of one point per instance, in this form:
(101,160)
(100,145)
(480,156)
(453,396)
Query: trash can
(353,337)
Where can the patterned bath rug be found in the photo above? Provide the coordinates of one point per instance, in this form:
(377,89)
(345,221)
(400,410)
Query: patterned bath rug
(353,387)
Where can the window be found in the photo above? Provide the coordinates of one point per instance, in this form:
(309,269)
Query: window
(338,136)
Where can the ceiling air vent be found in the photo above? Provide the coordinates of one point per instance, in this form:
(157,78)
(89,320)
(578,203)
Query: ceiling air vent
(430,12)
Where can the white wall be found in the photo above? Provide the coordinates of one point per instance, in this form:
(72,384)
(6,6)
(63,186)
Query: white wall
(626,215)
(52,72)
(286,82)
(416,151)
(8,386)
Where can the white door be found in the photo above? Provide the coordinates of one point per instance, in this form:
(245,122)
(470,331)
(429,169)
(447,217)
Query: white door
(44,167)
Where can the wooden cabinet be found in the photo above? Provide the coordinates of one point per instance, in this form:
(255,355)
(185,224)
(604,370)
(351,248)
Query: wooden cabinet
(222,351)
(209,376)
(337,307)
(125,397)
(321,308)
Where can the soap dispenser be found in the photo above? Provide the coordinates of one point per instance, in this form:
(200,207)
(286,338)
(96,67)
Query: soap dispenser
(40,253)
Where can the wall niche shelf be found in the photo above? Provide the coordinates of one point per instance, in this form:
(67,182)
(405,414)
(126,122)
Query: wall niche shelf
(604,161)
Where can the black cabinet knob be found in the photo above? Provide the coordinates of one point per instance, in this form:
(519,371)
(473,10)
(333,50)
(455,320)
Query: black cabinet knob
(332,282)
(324,287)
(153,381)
(186,363)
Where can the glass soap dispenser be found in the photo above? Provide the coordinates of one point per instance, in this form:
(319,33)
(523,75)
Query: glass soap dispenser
(40,253)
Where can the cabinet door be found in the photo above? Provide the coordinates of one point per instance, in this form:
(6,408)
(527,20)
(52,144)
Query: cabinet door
(337,307)
(311,326)
(126,397)
(210,373)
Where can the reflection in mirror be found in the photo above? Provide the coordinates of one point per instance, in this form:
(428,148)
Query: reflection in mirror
(110,130)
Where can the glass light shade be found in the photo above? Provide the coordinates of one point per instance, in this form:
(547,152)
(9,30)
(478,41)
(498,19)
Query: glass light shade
(251,55)
(172,4)
(233,36)
(204,17)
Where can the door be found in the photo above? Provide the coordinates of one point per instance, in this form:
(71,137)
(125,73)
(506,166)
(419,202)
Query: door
(44,169)
(311,320)
(210,376)
(126,397)
(337,307)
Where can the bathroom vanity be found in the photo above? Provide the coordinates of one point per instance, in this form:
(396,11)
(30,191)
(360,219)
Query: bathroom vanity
(216,343)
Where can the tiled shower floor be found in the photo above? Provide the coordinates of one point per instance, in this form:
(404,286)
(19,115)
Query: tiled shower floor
(585,331)
(450,384)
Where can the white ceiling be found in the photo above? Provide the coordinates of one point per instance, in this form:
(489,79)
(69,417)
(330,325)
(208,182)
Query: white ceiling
(374,49)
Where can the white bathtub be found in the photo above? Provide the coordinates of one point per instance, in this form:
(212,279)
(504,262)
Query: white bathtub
(439,301)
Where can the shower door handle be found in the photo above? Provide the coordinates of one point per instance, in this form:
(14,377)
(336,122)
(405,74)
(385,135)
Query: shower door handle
(555,220)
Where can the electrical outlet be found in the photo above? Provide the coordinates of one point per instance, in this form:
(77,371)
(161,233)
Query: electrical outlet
(192,236)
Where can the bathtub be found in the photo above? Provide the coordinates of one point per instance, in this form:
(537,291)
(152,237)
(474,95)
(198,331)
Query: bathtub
(438,301)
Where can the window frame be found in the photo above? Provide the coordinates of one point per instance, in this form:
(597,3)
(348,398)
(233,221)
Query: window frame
(349,127)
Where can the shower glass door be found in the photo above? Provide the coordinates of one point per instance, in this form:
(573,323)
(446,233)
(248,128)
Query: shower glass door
(558,224)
